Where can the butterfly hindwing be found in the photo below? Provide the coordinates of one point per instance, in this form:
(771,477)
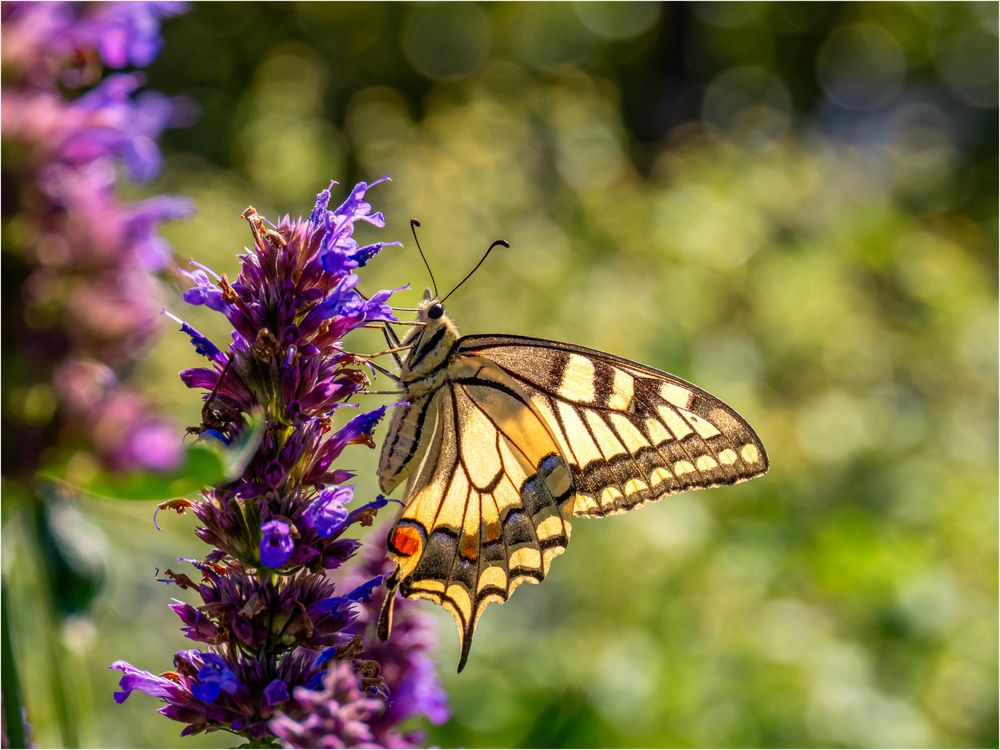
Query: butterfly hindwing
(489,506)
(631,434)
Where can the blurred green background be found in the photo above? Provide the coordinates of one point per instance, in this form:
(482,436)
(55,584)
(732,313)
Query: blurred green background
(792,205)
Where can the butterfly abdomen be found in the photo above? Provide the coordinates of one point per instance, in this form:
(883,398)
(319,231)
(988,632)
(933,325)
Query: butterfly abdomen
(405,442)
(422,374)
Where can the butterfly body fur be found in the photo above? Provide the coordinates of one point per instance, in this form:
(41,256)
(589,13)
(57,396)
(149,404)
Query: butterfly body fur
(505,439)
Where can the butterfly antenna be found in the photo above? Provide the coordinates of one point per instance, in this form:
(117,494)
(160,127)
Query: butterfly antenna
(496,243)
(413,228)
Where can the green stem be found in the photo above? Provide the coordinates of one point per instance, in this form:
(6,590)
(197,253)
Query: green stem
(11,685)
(57,659)
(59,686)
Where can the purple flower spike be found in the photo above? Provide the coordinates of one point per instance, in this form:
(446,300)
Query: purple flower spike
(284,657)
(88,256)
(276,543)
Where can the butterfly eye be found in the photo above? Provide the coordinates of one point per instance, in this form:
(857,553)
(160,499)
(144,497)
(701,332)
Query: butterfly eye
(435,311)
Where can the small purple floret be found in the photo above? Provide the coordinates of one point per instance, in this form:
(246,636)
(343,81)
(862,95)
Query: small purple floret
(322,202)
(276,543)
(139,679)
(213,679)
(201,343)
(276,692)
(327,513)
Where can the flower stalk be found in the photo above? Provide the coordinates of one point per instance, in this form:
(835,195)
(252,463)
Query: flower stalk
(273,626)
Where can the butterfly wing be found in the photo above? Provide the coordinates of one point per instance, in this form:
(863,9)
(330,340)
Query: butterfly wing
(490,504)
(631,434)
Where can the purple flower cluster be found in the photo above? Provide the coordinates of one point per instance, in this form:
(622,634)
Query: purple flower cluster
(276,627)
(338,716)
(85,259)
(404,659)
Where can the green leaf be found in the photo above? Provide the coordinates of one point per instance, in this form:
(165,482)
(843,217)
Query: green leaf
(205,464)
(202,467)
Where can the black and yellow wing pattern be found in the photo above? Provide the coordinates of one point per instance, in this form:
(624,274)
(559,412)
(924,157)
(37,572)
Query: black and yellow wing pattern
(631,434)
(490,504)
(506,438)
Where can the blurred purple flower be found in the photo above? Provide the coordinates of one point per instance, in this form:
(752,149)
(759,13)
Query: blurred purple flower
(405,659)
(278,529)
(338,716)
(53,37)
(86,259)
(126,434)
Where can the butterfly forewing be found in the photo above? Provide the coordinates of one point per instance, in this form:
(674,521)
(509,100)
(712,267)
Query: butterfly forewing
(630,434)
(489,506)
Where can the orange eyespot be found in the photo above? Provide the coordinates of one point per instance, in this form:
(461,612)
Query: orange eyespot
(492,532)
(468,546)
(406,541)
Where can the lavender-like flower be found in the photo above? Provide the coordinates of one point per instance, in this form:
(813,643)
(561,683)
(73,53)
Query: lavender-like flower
(338,716)
(275,627)
(85,259)
(405,662)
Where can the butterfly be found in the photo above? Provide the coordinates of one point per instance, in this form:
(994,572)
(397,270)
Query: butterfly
(504,440)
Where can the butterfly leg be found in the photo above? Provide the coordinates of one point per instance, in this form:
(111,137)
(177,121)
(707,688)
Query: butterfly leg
(388,373)
(391,350)
(390,335)
(391,339)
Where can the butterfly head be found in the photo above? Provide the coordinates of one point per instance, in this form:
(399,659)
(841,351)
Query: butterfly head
(430,307)
(431,341)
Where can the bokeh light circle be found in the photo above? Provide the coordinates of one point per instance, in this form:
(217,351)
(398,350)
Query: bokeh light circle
(861,66)
(614,20)
(549,35)
(748,103)
(447,41)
